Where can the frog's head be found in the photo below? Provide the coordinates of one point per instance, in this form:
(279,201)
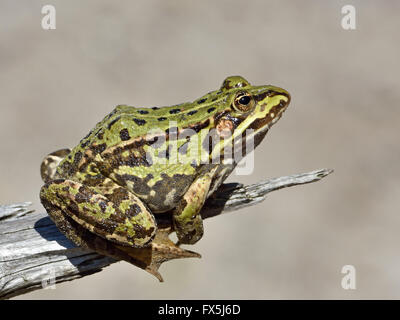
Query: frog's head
(250,110)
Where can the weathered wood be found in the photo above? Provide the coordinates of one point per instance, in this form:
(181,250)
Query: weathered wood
(34,254)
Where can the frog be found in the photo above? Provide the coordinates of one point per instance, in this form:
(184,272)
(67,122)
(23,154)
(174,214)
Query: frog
(138,164)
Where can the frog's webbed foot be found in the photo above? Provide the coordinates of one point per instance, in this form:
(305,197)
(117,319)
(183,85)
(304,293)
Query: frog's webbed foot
(118,216)
(162,249)
(50,163)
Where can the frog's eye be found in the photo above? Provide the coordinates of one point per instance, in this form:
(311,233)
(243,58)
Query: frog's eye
(243,102)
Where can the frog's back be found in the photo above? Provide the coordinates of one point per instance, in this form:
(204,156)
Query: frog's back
(117,147)
(127,122)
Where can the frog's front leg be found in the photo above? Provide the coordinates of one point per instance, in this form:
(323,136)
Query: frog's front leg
(188,223)
(116,215)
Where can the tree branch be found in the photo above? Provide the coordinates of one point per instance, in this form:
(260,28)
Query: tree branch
(34,254)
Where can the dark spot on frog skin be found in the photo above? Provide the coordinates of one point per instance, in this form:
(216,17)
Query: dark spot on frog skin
(135,144)
(100,135)
(202,101)
(142,233)
(143,111)
(77,158)
(116,158)
(93,181)
(152,140)
(124,134)
(133,161)
(101,228)
(214,99)
(174,111)
(103,206)
(83,195)
(113,122)
(99,148)
(162,119)
(85,144)
(133,210)
(73,207)
(66,168)
(117,195)
(155,108)
(139,184)
(210,109)
(114,219)
(139,122)
(87,136)
(192,112)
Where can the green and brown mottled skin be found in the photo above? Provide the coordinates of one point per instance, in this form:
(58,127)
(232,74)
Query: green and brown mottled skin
(138,162)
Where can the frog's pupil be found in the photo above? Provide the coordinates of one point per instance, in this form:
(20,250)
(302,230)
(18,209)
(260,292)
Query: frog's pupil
(244,100)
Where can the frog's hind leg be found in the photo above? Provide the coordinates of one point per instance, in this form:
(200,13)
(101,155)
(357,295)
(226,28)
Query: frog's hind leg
(140,257)
(118,216)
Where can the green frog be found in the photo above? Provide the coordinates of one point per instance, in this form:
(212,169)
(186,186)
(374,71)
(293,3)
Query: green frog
(138,163)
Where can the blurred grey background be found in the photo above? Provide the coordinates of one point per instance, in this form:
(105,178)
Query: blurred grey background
(55,85)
